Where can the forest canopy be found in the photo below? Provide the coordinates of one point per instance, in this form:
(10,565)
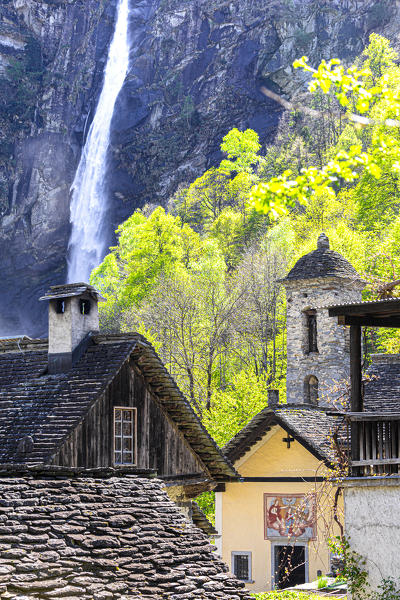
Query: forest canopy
(200,278)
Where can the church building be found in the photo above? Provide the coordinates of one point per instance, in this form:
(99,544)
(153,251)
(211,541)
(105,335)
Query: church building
(273,524)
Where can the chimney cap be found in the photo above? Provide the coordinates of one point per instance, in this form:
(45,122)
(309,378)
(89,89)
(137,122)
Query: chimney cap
(323,242)
(273,398)
(71,289)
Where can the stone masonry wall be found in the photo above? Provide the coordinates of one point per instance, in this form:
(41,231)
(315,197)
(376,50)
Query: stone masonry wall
(92,537)
(331,363)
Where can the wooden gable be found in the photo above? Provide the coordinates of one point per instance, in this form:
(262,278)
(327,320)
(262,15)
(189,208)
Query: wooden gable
(67,419)
(159,443)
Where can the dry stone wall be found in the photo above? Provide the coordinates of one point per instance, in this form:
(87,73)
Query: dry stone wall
(103,537)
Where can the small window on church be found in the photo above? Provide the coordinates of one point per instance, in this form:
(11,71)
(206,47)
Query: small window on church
(124,436)
(311,323)
(311,390)
(241,565)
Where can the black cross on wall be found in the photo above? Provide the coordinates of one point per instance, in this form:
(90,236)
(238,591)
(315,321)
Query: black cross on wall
(288,440)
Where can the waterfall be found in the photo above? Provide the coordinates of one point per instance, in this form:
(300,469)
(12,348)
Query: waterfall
(89,203)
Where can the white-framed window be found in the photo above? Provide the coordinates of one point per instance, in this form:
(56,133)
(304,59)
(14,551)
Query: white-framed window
(241,565)
(124,435)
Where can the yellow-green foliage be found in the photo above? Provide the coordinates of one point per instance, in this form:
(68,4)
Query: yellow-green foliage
(201,279)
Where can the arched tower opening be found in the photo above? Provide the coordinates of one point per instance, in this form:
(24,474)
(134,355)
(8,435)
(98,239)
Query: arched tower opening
(311,390)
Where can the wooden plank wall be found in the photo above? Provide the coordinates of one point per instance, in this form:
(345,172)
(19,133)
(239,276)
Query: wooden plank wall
(160,445)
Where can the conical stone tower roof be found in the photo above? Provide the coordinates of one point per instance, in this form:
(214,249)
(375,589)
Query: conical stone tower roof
(322,262)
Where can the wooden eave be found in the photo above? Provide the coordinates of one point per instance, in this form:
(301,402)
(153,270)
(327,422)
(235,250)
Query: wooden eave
(379,313)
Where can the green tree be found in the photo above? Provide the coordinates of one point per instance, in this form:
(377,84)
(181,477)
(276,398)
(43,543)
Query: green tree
(148,248)
(352,87)
(241,148)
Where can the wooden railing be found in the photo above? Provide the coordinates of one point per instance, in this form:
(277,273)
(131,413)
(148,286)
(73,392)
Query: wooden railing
(375,444)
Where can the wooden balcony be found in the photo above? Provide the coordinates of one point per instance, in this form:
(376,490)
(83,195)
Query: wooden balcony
(375,444)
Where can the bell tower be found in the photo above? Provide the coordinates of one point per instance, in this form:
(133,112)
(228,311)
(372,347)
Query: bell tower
(318,359)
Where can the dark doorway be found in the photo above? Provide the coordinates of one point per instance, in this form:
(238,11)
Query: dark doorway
(290,566)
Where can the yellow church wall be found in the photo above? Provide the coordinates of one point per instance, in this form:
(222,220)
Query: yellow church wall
(240,509)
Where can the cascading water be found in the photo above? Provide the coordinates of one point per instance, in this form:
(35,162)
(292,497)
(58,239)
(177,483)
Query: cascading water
(88,244)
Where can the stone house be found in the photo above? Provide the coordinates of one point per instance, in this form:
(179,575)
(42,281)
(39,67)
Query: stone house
(95,440)
(372,489)
(283,453)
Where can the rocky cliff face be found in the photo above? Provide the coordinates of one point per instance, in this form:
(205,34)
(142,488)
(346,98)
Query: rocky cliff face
(196,71)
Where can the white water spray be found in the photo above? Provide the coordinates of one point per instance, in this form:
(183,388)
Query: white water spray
(87,245)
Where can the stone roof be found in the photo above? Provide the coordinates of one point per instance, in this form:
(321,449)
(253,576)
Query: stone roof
(68,290)
(382,385)
(200,519)
(98,537)
(309,425)
(39,411)
(321,263)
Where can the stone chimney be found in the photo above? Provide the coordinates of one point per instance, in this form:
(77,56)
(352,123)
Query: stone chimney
(273,398)
(73,317)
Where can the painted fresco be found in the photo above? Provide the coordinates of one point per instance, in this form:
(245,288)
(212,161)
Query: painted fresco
(289,516)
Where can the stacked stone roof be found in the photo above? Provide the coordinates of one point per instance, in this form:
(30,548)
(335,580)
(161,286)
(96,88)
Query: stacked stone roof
(321,263)
(68,290)
(38,411)
(310,425)
(382,385)
(103,537)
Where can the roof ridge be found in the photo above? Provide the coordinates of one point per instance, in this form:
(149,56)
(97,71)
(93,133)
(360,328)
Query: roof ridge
(261,422)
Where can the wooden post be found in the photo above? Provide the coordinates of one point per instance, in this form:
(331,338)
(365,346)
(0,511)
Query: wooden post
(355,392)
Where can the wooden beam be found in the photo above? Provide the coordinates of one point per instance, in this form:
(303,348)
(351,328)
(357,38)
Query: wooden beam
(391,307)
(368,321)
(282,479)
(372,416)
(355,391)
(355,369)
(375,461)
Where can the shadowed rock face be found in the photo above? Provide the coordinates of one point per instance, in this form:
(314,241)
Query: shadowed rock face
(196,71)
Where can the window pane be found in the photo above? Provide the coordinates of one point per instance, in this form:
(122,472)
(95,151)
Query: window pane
(127,458)
(127,415)
(127,428)
(117,415)
(127,443)
(241,566)
(118,458)
(118,428)
(117,443)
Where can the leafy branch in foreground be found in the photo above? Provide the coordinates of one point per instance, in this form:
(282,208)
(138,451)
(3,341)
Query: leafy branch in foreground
(361,94)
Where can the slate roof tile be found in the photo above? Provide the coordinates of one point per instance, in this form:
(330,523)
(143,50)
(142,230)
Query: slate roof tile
(382,387)
(322,263)
(84,535)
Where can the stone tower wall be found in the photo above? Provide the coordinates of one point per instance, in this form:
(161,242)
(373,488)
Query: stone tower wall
(331,363)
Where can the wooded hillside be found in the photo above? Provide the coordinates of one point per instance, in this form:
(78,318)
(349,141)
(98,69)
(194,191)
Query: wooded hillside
(200,278)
